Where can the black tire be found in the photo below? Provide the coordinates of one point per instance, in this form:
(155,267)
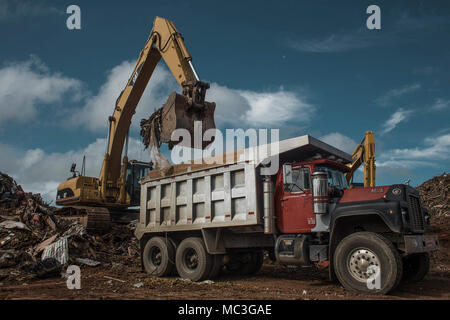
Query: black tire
(255,263)
(158,257)
(259,261)
(192,260)
(356,253)
(246,263)
(216,267)
(416,267)
(234,264)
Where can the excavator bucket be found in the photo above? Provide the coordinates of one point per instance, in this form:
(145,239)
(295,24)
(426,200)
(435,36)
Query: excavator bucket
(178,113)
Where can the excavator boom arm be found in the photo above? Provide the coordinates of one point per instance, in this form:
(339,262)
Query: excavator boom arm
(364,154)
(164,41)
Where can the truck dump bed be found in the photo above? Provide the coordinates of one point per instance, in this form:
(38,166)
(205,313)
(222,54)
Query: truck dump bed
(195,196)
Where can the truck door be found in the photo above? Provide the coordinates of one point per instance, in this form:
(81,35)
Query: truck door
(295,203)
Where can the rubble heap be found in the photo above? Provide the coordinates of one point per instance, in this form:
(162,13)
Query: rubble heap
(435,195)
(34,241)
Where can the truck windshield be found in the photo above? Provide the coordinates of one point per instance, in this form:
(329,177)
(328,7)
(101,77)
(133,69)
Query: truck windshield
(336,178)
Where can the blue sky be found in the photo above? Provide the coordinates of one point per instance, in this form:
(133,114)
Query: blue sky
(306,67)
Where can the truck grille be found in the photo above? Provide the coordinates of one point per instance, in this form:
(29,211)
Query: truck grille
(416,215)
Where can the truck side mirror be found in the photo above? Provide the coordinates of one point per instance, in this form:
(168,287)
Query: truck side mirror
(72,168)
(287,174)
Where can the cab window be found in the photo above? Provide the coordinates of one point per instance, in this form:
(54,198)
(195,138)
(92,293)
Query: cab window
(301,180)
(336,178)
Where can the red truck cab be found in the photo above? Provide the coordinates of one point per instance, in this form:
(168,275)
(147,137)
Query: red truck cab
(294,208)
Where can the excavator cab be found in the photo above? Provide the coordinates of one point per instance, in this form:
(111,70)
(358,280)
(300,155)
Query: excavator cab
(136,170)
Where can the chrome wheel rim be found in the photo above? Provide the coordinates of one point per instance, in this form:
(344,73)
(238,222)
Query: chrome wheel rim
(362,264)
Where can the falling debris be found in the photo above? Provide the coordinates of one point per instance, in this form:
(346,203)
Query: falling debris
(150,132)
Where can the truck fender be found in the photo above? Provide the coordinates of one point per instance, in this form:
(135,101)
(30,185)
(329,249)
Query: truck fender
(213,240)
(338,233)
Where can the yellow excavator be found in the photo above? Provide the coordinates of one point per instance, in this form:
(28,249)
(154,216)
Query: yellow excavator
(95,201)
(364,154)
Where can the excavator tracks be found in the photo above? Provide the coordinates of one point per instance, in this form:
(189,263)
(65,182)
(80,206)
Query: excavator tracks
(94,219)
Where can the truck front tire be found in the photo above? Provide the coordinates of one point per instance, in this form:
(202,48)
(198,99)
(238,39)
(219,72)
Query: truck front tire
(367,262)
(192,260)
(416,267)
(158,256)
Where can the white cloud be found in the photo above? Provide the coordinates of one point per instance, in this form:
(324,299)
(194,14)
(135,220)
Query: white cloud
(426,71)
(434,150)
(389,97)
(97,108)
(440,104)
(245,108)
(337,42)
(406,29)
(11,9)
(25,85)
(236,108)
(399,116)
(41,172)
(340,141)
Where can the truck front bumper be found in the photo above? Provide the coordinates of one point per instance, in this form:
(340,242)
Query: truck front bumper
(421,243)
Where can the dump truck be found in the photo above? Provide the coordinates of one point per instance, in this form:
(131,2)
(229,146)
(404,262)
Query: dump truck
(199,219)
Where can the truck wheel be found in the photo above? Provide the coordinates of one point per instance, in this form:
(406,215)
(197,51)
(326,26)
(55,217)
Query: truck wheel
(192,260)
(158,257)
(259,260)
(254,264)
(416,267)
(367,262)
(246,263)
(234,264)
(216,267)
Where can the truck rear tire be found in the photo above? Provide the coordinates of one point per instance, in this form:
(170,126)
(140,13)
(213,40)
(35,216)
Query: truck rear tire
(358,259)
(216,267)
(192,260)
(416,267)
(246,263)
(255,263)
(158,256)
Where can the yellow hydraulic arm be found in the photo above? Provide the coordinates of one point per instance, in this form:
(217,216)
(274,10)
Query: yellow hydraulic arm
(165,41)
(364,154)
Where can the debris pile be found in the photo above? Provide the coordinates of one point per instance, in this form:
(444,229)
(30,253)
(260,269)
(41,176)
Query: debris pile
(435,195)
(36,242)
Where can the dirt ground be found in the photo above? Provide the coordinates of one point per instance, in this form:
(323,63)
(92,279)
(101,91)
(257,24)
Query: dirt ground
(118,280)
(272,282)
